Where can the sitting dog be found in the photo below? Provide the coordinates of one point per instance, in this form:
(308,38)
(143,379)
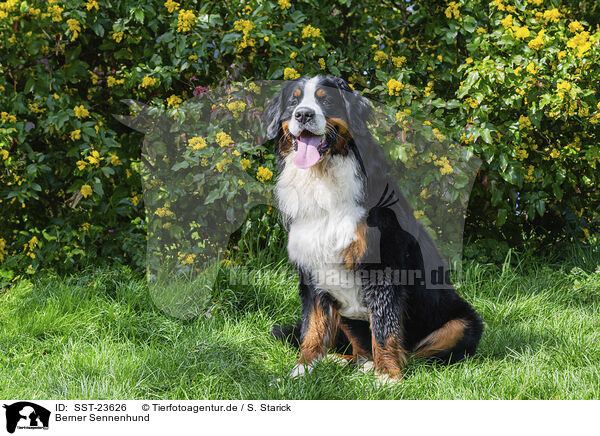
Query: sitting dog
(346,240)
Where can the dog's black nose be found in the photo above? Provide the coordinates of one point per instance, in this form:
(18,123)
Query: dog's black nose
(304,114)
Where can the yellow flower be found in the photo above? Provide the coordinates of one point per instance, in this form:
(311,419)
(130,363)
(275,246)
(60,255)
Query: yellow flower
(4,154)
(554,154)
(8,118)
(263,174)
(223,139)
(293,55)
(531,68)
(244,26)
(148,82)
(290,74)
(472,102)
(418,214)
(581,42)
(524,122)
(81,112)
(380,56)
(112,81)
(33,242)
(197,143)
(174,101)
(81,165)
(561,55)
(92,4)
(311,32)
(237,107)
(394,87)
(480,30)
(322,64)
(164,211)
(185,20)
(563,86)
(172,6)
(253,87)
(507,21)
(86,191)
(245,164)
(34,107)
(56,12)
(221,165)
(453,10)
(537,42)
(552,15)
(444,164)
(439,135)
(521,154)
(3,251)
(575,26)
(521,32)
(118,36)
(94,158)
(398,61)
(114,160)
(284,4)
(75,134)
(469,60)
(240,182)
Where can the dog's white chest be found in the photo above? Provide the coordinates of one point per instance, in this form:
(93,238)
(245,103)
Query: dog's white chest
(324,212)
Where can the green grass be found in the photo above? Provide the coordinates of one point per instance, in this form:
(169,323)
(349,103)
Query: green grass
(98,335)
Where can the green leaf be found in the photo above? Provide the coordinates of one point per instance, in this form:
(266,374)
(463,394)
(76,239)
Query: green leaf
(501,217)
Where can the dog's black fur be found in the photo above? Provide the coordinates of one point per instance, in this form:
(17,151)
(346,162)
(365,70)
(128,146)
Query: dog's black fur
(404,319)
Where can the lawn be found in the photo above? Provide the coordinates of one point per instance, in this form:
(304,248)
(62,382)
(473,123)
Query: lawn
(97,335)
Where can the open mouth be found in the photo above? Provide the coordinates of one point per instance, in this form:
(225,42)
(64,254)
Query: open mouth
(308,148)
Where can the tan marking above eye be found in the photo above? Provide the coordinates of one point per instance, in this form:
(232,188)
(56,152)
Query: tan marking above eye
(297,92)
(321,93)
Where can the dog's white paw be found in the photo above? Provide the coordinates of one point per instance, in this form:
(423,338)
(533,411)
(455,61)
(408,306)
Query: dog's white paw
(336,358)
(368,366)
(365,365)
(301,370)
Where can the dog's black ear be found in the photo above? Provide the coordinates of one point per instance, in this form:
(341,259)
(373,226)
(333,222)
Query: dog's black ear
(272,114)
(275,108)
(358,108)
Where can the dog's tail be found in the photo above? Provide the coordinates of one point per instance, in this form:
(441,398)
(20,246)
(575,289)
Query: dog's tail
(290,334)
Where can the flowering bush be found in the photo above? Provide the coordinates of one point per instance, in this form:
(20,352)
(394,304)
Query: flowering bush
(513,80)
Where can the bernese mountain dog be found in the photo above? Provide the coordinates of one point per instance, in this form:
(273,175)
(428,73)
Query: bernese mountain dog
(361,256)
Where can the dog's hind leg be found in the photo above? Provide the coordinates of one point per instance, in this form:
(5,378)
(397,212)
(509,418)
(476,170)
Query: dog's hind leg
(358,334)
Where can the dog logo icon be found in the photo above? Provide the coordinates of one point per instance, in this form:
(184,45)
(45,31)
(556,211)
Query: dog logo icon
(26,415)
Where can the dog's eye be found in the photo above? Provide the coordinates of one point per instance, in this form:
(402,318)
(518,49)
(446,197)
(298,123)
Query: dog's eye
(293,101)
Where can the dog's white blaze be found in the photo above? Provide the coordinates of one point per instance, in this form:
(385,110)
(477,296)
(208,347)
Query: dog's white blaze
(322,207)
(308,100)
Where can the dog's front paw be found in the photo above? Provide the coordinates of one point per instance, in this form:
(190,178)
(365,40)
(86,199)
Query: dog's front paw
(301,370)
(368,366)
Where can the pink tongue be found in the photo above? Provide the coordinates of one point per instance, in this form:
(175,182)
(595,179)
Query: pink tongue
(307,154)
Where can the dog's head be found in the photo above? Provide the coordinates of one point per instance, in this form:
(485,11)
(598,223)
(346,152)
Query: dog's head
(316,117)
